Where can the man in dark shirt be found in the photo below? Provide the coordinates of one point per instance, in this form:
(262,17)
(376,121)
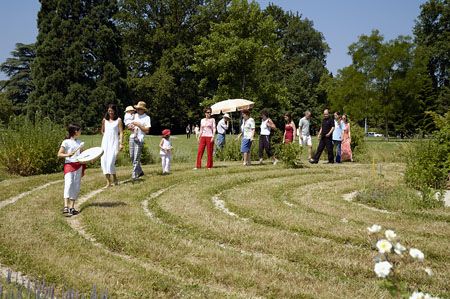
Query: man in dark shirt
(325,135)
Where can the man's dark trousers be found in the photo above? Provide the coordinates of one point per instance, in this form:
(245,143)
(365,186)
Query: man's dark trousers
(325,142)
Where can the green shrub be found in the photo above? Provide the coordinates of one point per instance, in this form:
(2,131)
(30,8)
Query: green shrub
(232,150)
(358,144)
(146,156)
(29,148)
(6,108)
(428,161)
(425,165)
(290,154)
(123,158)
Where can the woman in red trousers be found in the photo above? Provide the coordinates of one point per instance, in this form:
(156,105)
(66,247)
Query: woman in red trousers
(206,139)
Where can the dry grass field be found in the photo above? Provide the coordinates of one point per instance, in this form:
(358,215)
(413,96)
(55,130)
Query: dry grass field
(233,231)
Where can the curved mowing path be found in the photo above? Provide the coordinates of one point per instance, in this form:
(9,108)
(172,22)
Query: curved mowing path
(259,231)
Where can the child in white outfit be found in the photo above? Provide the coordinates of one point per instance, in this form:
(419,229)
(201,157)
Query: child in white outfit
(129,118)
(73,170)
(165,151)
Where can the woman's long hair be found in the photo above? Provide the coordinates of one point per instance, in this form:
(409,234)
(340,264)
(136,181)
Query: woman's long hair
(289,116)
(114,108)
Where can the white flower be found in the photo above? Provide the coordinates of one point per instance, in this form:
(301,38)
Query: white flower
(420,295)
(384,246)
(390,235)
(374,229)
(382,269)
(399,248)
(417,295)
(416,254)
(428,271)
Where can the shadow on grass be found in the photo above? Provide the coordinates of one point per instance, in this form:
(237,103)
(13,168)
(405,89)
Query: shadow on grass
(108,204)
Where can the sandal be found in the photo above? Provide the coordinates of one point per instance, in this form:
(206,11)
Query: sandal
(73,212)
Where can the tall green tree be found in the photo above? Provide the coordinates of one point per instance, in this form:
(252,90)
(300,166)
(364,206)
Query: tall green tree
(239,58)
(19,84)
(78,67)
(384,82)
(158,41)
(303,60)
(6,108)
(432,35)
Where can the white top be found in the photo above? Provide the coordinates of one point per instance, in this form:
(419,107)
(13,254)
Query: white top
(303,125)
(222,126)
(265,129)
(338,130)
(69,146)
(247,128)
(128,118)
(143,120)
(110,146)
(167,145)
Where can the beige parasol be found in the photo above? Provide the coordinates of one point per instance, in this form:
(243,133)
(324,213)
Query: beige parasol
(231,105)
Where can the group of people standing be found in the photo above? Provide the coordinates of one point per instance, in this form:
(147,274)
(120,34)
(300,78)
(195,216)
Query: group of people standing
(191,129)
(334,135)
(137,121)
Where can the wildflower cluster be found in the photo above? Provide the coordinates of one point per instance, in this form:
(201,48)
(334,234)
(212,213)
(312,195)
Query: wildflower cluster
(390,253)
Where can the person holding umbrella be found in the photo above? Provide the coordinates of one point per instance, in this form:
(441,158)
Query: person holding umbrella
(222,128)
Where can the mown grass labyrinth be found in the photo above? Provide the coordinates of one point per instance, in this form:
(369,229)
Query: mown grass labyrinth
(260,231)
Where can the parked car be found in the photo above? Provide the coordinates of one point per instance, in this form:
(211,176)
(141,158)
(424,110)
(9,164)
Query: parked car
(374,134)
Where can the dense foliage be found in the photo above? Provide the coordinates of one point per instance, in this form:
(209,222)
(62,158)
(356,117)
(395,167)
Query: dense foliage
(176,55)
(385,83)
(428,162)
(181,55)
(78,67)
(394,83)
(29,148)
(20,84)
(432,36)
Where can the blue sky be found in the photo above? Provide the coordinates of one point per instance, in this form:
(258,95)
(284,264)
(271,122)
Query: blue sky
(340,21)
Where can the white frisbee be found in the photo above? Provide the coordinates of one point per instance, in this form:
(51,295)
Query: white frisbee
(90,154)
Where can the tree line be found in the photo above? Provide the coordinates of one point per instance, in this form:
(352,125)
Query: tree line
(181,55)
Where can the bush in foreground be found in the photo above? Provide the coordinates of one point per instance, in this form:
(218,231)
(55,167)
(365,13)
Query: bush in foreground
(428,161)
(30,148)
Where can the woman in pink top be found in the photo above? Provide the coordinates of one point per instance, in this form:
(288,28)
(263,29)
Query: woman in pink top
(206,139)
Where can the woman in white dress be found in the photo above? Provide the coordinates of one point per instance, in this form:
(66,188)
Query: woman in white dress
(112,143)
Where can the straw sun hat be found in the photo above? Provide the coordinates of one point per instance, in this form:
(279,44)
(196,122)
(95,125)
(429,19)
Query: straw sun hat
(141,105)
(129,108)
